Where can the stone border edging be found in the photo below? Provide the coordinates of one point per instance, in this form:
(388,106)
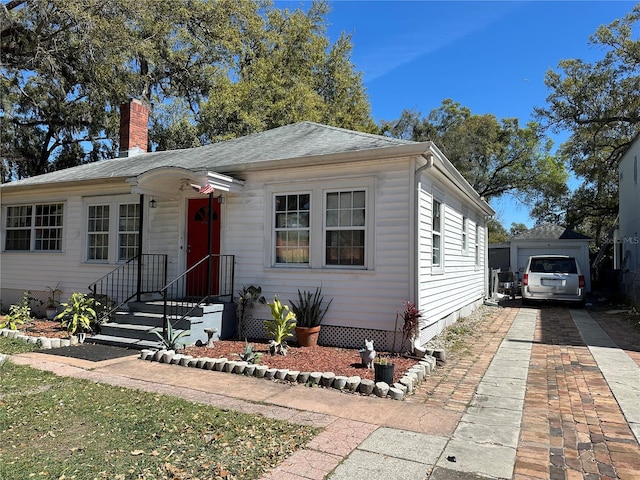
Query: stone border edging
(45,342)
(405,386)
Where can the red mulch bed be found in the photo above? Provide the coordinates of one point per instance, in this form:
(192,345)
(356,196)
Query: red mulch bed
(341,361)
(44,328)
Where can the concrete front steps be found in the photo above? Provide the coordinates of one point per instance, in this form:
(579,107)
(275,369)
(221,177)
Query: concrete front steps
(134,327)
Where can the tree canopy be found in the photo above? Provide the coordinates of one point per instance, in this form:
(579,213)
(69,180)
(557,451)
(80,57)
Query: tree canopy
(598,103)
(496,157)
(211,69)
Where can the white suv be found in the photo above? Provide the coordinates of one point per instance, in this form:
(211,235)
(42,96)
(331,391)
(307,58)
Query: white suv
(553,277)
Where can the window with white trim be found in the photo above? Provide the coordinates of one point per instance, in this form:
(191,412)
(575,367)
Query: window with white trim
(465,240)
(292,227)
(98,233)
(321,224)
(345,228)
(436,233)
(128,220)
(112,237)
(34,227)
(477,245)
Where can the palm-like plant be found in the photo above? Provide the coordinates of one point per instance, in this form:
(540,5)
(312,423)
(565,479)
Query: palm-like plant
(281,327)
(170,342)
(79,313)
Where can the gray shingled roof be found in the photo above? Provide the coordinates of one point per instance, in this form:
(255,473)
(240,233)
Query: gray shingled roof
(304,139)
(549,232)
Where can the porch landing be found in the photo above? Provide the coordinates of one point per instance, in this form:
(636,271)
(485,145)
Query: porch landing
(134,326)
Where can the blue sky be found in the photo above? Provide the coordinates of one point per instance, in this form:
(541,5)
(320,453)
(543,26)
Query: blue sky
(489,56)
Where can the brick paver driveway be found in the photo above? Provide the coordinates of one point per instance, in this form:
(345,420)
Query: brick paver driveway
(572,426)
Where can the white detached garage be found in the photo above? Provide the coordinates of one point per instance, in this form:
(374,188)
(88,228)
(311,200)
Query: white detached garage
(550,240)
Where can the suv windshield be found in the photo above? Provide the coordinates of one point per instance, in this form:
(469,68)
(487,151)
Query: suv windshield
(553,265)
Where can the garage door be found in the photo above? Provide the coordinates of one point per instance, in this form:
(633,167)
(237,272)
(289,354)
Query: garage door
(525,253)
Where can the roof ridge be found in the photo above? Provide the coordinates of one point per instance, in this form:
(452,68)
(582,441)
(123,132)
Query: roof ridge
(364,134)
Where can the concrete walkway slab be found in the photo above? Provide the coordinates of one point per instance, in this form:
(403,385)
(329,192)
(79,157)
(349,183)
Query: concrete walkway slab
(362,465)
(495,461)
(413,446)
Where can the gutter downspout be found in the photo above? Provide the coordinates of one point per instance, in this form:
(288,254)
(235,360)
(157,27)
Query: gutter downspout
(413,245)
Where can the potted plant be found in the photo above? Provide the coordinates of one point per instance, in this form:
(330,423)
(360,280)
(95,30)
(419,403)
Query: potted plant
(383,370)
(309,314)
(52,301)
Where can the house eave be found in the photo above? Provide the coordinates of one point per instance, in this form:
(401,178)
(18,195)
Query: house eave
(444,166)
(379,153)
(70,184)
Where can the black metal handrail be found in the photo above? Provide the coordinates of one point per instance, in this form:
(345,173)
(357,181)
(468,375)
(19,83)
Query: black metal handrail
(209,280)
(146,273)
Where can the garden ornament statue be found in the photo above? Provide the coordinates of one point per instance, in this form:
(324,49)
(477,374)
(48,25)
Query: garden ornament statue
(367,354)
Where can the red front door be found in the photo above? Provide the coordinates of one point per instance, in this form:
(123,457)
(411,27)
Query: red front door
(197,235)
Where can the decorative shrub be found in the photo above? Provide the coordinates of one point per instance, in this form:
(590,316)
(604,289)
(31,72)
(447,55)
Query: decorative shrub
(281,327)
(18,314)
(79,313)
(308,310)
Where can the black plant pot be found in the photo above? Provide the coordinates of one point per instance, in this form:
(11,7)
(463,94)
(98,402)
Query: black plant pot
(383,373)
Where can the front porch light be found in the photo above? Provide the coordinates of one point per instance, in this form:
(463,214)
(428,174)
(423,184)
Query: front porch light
(153,203)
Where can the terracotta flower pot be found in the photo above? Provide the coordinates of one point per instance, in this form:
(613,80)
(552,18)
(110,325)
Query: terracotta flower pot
(307,336)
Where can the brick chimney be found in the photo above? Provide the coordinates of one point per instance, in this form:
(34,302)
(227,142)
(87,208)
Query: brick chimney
(134,128)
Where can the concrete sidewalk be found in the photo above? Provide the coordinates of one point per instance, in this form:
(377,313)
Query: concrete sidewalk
(465,423)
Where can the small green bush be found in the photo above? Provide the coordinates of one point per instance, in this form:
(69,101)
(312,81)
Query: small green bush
(18,314)
(281,327)
(79,313)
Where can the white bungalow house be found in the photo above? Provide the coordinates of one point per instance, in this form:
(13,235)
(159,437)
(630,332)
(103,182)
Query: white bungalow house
(627,235)
(375,221)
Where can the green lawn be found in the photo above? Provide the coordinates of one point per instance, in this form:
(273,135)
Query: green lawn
(62,428)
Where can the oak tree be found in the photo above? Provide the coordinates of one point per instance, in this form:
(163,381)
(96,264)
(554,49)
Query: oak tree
(598,104)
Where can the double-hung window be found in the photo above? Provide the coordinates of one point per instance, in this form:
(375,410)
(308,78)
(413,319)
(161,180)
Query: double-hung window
(465,235)
(315,225)
(34,227)
(477,245)
(436,234)
(112,231)
(98,233)
(345,228)
(128,219)
(292,227)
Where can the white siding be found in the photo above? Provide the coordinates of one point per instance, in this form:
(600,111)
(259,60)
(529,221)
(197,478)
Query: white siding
(444,293)
(361,298)
(366,298)
(34,271)
(627,241)
(166,233)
